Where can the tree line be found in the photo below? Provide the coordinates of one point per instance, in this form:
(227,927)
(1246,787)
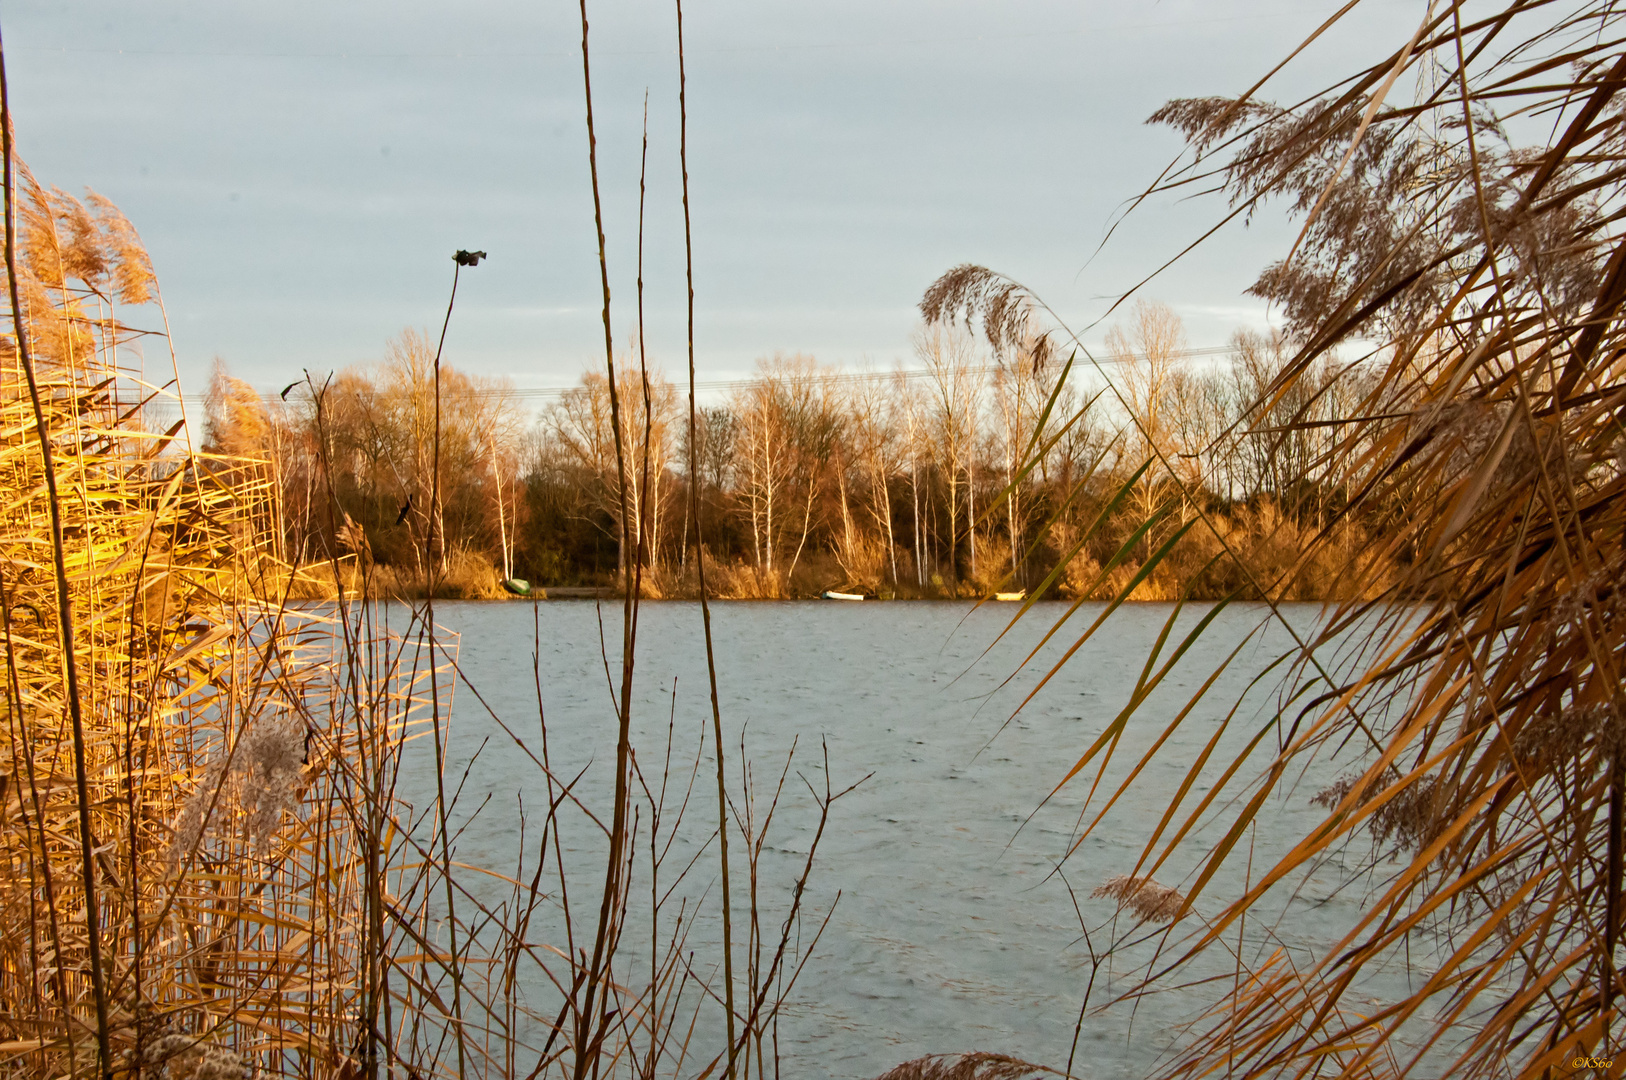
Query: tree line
(975,468)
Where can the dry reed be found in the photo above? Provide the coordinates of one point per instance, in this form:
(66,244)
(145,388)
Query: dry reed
(1472,670)
(260,899)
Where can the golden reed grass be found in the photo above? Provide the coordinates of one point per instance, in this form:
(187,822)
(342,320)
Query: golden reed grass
(266,903)
(207,871)
(223,874)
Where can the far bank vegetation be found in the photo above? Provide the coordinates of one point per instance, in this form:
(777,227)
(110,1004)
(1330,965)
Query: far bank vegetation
(915,482)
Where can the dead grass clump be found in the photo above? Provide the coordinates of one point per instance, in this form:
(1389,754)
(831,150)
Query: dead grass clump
(466,575)
(741,581)
(1463,433)
(1078,577)
(862,562)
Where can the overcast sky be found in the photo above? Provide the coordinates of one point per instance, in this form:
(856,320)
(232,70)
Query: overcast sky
(301,172)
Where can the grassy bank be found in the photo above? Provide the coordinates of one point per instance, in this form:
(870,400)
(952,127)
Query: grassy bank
(1251,553)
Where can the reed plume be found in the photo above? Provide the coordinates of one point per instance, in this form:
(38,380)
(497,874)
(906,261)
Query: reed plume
(973,1066)
(1146,898)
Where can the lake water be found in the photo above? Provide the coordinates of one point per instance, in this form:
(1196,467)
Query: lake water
(954,931)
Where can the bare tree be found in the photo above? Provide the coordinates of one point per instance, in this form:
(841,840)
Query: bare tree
(948,354)
(915,447)
(582,423)
(1021,388)
(764,465)
(1147,354)
(873,429)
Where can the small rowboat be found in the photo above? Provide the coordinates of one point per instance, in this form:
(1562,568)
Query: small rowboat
(841,596)
(1008,596)
(517,586)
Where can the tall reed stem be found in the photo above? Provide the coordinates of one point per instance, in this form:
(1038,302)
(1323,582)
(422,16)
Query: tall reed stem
(64,608)
(700,557)
(603,939)
(434,688)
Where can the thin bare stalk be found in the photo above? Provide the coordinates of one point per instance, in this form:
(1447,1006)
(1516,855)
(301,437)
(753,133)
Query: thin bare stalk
(700,560)
(434,692)
(604,938)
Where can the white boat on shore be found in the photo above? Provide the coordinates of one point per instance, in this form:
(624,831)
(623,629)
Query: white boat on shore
(827,595)
(1009,596)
